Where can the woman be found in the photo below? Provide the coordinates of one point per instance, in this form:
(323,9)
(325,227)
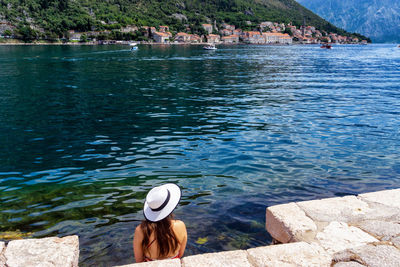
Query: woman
(160,236)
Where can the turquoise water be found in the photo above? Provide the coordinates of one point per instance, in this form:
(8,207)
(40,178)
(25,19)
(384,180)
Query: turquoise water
(86,131)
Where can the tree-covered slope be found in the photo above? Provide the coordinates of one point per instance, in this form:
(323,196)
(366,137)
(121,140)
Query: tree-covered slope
(57,16)
(378,19)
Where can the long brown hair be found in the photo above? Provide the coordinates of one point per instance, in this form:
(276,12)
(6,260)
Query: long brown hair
(164,235)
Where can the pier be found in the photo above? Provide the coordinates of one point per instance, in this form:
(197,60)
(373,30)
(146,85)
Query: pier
(349,231)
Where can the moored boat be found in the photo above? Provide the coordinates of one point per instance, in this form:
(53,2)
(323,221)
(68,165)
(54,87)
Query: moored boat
(326,46)
(210,47)
(133,46)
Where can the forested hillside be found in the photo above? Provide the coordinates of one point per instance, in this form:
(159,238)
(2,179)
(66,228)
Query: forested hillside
(53,18)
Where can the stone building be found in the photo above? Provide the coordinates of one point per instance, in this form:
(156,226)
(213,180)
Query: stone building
(208,28)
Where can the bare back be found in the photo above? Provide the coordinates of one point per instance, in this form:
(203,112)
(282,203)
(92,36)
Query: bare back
(179,229)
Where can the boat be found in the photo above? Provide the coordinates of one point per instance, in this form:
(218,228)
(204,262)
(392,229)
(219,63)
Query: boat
(326,46)
(210,47)
(133,46)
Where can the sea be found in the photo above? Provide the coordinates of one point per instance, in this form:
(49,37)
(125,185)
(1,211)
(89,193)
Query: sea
(87,131)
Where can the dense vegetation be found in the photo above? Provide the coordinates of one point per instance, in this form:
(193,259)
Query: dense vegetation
(56,17)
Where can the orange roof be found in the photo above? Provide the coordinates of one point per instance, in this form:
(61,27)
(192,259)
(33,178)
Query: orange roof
(230,36)
(212,35)
(182,34)
(206,24)
(282,35)
(163,34)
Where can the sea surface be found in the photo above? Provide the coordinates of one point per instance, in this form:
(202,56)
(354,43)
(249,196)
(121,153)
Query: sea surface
(86,131)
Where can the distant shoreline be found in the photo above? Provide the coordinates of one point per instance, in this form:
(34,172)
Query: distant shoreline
(145,43)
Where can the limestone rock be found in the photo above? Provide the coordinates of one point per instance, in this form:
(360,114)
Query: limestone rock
(388,197)
(228,258)
(396,241)
(341,209)
(45,252)
(382,230)
(382,212)
(160,263)
(2,258)
(339,236)
(348,264)
(371,255)
(288,223)
(292,254)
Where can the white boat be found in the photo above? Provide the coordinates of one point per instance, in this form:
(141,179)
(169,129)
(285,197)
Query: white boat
(133,46)
(210,47)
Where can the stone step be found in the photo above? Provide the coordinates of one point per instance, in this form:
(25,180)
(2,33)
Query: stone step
(50,251)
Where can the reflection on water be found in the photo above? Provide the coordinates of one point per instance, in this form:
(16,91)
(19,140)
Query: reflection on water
(87,131)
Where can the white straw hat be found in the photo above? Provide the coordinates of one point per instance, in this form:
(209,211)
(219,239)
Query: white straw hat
(161,201)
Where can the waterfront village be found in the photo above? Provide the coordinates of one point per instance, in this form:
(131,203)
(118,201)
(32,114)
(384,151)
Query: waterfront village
(265,33)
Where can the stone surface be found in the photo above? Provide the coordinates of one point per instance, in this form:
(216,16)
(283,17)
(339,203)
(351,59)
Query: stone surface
(2,257)
(341,209)
(396,241)
(228,258)
(160,263)
(292,254)
(339,236)
(288,223)
(382,230)
(388,197)
(45,252)
(348,264)
(382,212)
(371,255)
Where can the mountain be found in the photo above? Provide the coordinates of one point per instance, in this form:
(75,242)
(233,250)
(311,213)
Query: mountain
(53,18)
(377,19)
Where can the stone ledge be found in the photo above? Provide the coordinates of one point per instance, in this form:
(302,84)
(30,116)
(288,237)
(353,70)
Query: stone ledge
(292,254)
(236,258)
(50,251)
(370,255)
(159,263)
(389,198)
(341,209)
(338,236)
(289,223)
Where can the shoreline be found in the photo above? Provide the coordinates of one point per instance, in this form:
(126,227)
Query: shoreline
(149,43)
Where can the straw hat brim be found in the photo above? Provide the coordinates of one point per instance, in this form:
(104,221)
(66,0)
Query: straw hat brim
(175,197)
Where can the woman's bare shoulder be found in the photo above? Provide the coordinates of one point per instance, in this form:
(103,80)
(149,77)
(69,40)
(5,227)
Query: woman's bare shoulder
(178,224)
(138,230)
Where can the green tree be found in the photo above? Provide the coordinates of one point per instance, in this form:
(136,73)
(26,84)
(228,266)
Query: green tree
(83,38)
(27,34)
(7,33)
